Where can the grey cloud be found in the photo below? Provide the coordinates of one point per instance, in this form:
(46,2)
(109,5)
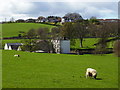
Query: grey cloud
(86,9)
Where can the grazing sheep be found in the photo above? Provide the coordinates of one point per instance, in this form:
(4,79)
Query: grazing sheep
(16,55)
(91,73)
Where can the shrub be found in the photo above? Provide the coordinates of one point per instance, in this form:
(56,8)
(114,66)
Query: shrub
(101,47)
(117,48)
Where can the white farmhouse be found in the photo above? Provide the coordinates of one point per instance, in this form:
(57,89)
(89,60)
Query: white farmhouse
(61,46)
(13,46)
(63,20)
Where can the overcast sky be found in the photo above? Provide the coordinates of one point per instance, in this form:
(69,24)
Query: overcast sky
(21,9)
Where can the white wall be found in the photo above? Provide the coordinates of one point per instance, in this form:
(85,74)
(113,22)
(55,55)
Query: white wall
(19,48)
(62,20)
(6,47)
(56,45)
(61,46)
(10,48)
(65,46)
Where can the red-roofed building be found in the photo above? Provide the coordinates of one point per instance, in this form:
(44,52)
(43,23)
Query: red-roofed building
(108,20)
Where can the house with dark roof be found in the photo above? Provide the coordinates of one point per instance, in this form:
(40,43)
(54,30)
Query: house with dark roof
(30,20)
(13,46)
(20,21)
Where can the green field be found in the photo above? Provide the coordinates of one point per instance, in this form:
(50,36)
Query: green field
(42,70)
(12,29)
(87,43)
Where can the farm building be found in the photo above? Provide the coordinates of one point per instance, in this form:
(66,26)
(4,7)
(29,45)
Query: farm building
(13,46)
(108,20)
(61,46)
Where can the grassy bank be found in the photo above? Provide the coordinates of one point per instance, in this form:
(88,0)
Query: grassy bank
(13,29)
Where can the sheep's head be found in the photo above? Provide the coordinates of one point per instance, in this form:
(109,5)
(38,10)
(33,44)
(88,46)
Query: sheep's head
(94,75)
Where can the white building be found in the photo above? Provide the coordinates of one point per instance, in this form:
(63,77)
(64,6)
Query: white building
(61,46)
(63,20)
(13,46)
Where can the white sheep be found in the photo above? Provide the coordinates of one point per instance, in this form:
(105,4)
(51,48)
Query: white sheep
(16,55)
(91,73)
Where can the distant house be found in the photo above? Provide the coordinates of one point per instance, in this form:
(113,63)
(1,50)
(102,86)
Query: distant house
(13,46)
(41,19)
(53,19)
(30,20)
(108,20)
(20,21)
(61,46)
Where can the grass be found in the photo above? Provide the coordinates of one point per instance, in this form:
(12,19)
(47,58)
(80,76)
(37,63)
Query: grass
(11,41)
(12,29)
(41,70)
(89,43)
(0,69)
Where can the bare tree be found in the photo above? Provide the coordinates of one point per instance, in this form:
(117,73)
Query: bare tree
(114,27)
(71,17)
(31,34)
(80,30)
(68,30)
(43,33)
(44,45)
(32,43)
(101,31)
(117,48)
(55,32)
(12,19)
(94,20)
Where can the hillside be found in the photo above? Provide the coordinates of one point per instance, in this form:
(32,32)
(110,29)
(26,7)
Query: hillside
(13,29)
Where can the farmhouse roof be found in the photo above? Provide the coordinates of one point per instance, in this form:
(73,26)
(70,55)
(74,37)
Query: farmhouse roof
(9,44)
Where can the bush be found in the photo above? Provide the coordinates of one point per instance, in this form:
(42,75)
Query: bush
(117,48)
(44,45)
(101,47)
